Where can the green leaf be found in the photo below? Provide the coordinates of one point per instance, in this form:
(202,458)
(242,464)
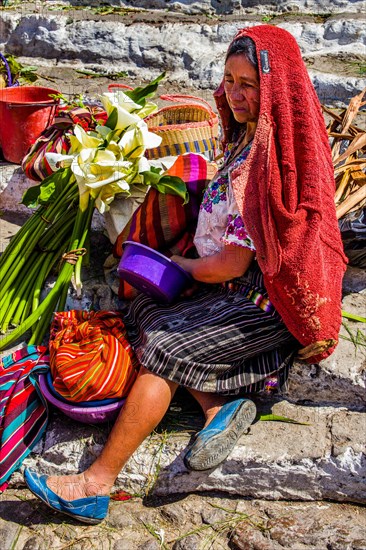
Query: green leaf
(152,176)
(353,317)
(26,76)
(140,94)
(170,185)
(30,68)
(48,191)
(112,135)
(112,119)
(19,71)
(277,418)
(30,197)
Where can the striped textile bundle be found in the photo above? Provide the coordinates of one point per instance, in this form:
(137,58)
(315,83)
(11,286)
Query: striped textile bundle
(191,127)
(90,357)
(54,139)
(162,222)
(23,416)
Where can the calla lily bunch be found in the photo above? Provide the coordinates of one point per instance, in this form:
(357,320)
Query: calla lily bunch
(99,165)
(107,161)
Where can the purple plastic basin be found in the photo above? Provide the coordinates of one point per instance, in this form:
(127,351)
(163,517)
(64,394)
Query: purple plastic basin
(152,273)
(88,415)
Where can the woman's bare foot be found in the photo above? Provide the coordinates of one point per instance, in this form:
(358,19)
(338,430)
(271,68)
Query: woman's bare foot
(77,486)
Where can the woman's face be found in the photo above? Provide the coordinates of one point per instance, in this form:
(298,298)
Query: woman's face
(241,84)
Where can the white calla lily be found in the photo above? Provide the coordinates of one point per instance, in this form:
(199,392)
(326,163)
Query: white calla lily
(115,148)
(151,140)
(118,98)
(57,160)
(113,177)
(95,168)
(137,139)
(164,163)
(75,145)
(144,165)
(132,143)
(87,139)
(107,193)
(124,117)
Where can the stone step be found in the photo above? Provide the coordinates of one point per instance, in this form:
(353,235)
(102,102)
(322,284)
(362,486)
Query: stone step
(322,8)
(322,460)
(150,43)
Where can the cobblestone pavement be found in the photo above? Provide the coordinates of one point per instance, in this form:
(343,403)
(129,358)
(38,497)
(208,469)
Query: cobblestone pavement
(185,523)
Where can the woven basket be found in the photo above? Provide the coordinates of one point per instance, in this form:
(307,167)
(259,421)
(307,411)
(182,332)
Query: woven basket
(190,127)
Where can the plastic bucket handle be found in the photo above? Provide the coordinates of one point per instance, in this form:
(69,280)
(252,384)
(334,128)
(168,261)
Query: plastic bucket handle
(16,105)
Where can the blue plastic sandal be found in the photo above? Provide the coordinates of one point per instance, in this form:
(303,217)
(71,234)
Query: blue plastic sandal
(88,510)
(215,442)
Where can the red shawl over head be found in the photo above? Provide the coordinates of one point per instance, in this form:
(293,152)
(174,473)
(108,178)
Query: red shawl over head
(285,192)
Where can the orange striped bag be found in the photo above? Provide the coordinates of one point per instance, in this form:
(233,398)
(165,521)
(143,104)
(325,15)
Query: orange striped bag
(90,357)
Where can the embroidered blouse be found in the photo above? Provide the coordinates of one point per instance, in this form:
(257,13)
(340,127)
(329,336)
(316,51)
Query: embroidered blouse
(219,221)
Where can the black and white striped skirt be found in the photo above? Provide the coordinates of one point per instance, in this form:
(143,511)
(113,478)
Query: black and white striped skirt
(216,341)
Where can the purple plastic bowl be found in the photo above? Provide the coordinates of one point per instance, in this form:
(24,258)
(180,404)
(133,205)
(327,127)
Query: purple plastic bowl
(87,415)
(152,273)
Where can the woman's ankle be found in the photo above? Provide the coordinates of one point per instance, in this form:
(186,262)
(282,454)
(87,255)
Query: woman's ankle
(98,482)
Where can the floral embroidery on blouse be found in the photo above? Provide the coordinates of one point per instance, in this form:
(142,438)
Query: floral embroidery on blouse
(217,189)
(235,228)
(219,221)
(215,192)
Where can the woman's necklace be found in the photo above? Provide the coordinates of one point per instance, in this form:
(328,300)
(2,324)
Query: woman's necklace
(241,144)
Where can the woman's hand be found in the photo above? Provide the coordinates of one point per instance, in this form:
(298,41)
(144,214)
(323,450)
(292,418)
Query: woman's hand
(231,262)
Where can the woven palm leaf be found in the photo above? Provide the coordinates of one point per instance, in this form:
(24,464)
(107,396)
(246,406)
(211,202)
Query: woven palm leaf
(348,144)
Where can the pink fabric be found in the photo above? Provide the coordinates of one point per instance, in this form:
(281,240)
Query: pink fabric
(289,173)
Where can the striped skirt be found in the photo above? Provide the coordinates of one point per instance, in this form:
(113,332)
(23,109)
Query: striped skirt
(217,341)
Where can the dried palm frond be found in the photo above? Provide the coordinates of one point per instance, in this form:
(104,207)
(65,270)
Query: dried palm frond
(348,144)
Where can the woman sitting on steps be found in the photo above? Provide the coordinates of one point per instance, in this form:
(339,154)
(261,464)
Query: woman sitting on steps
(270,269)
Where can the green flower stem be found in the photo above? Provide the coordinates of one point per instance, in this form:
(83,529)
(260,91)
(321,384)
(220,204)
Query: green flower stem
(23,314)
(353,317)
(43,324)
(46,267)
(27,228)
(56,235)
(7,297)
(5,304)
(27,238)
(23,308)
(83,239)
(16,243)
(47,304)
(77,275)
(63,298)
(44,311)
(12,290)
(20,290)
(80,235)
(13,266)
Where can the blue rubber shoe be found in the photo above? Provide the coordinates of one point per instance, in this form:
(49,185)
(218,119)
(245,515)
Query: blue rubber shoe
(215,442)
(90,510)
